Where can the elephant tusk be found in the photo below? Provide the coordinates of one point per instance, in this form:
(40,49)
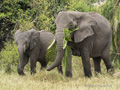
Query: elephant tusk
(64,44)
(51,44)
(24,48)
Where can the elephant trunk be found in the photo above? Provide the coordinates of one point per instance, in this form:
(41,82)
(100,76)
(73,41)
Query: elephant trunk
(21,53)
(21,63)
(60,51)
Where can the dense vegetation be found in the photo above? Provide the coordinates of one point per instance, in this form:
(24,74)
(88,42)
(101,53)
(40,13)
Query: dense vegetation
(41,14)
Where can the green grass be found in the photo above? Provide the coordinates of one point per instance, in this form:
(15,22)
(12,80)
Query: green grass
(44,80)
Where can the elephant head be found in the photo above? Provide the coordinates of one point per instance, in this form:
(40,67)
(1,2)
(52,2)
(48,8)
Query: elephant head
(69,20)
(26,41)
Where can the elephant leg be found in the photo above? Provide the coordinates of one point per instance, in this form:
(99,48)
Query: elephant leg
(108,63)
(106,59)
(68,72)
(60,68)
(86,61)
(43,63)
(22,64)
(97,61)
(86,66)
(33,61)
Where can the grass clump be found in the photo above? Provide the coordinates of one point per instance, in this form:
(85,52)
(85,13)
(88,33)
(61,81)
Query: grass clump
(44,80)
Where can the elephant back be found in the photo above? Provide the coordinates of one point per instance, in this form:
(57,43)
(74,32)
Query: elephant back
(46,38)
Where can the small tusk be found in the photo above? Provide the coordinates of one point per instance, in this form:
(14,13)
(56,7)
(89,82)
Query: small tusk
(51,44)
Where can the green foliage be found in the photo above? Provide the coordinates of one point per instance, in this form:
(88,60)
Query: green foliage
(92,1)
(67,37)
(51,52)
(27,14)
(67,34)
(9,57)
(117,33)
(81,5)
(11,13)
(108,9)
(46,11)
(66,57)
(111,11)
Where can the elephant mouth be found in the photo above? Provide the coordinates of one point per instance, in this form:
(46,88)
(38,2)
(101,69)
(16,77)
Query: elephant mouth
(71,28)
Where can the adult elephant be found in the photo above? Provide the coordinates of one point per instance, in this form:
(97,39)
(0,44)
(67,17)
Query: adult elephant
(92,39)
(33,44)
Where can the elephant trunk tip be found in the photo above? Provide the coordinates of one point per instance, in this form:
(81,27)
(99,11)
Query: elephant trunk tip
(49,68)
(57,61)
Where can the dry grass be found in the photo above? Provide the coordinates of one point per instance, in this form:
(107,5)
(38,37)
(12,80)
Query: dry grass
(44,80)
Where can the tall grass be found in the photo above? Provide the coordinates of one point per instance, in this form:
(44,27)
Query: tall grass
(44,80)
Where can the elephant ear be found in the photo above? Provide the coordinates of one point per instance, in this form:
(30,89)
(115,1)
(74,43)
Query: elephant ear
(86,25)
(16,36)
(34,39)
(82,33)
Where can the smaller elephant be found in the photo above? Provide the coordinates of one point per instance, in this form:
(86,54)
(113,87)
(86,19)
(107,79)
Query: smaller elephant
(33,44)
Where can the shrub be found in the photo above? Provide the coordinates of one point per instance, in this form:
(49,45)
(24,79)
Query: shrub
(9,57)
(82,6)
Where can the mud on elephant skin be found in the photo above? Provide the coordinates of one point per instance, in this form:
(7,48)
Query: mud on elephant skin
(32,45)
(91,40)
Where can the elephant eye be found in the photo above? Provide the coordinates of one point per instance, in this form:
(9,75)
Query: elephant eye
(70,24)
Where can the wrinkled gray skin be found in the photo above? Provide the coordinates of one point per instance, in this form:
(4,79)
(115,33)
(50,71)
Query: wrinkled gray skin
(33,44)
(92,39)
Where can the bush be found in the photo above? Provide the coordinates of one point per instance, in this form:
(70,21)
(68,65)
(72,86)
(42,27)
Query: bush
(9,57)
(82,6)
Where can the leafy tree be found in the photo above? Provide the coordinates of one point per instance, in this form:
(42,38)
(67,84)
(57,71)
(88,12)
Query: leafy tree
(116,27)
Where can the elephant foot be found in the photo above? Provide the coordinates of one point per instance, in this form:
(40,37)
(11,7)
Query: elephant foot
(60,69)
(68,74)
(20,72)
(33,72)
(97,73)
(41,68)
(110,70)
(88,74)
(61,72)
